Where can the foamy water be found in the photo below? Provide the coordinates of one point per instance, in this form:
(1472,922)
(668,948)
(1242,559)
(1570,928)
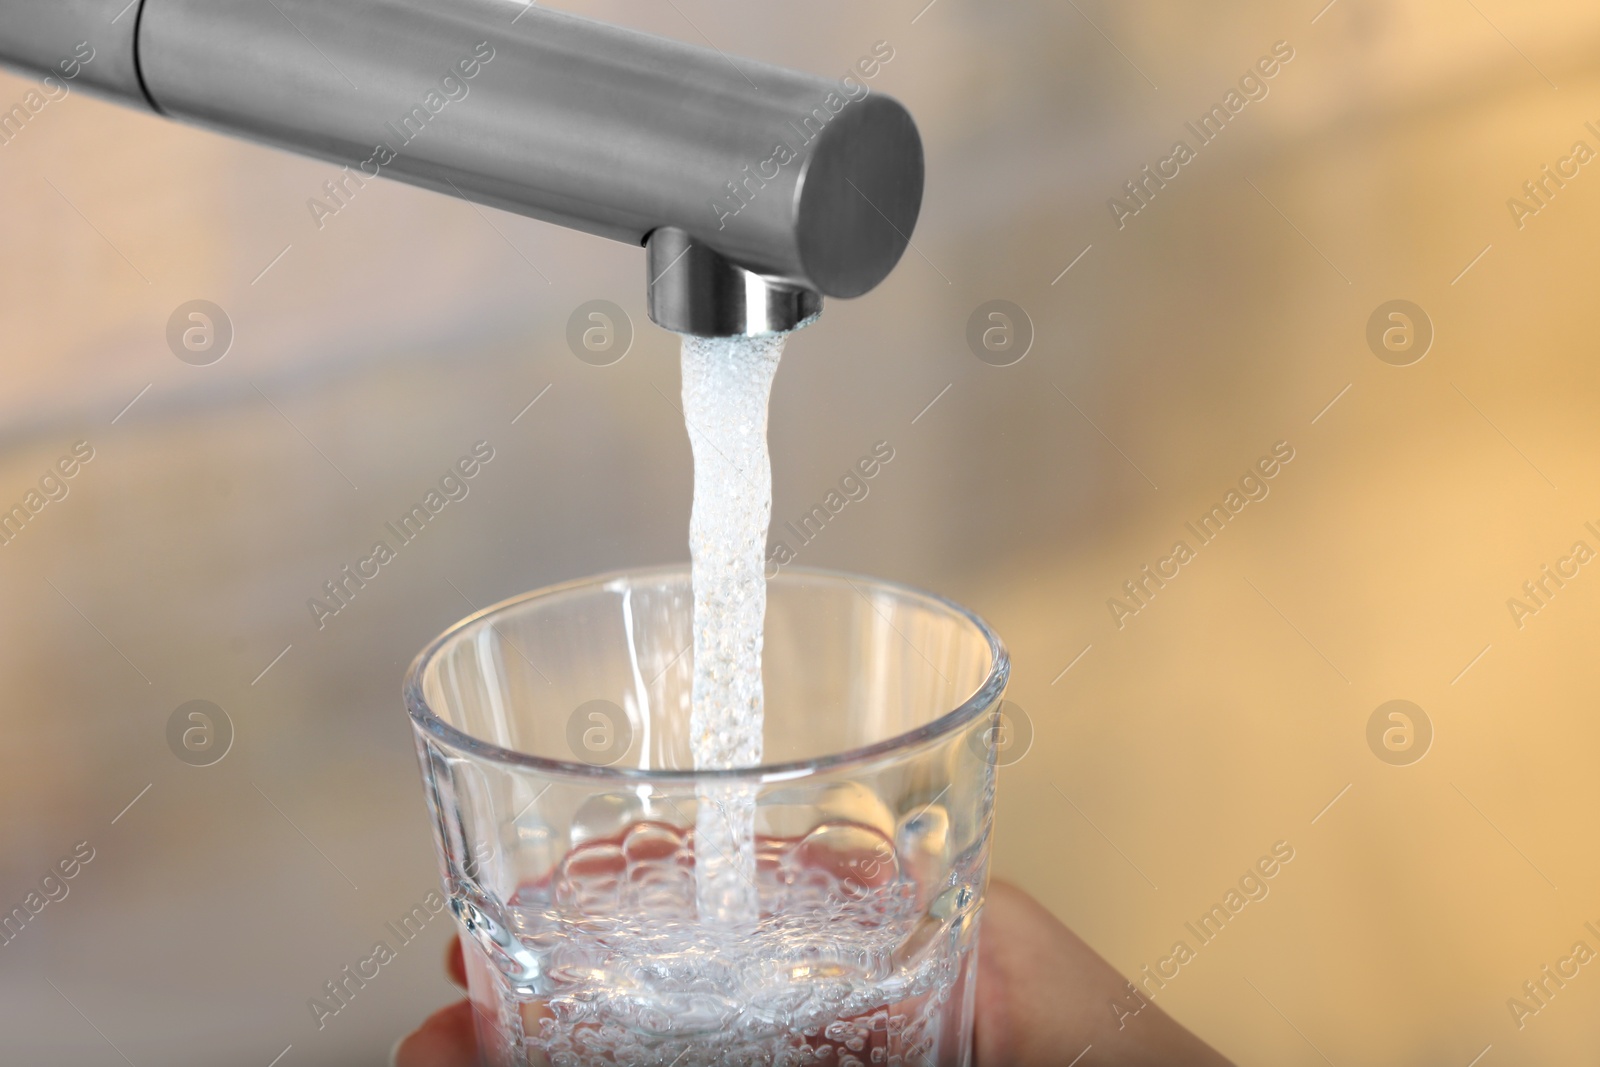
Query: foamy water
(727,383)
(846,965)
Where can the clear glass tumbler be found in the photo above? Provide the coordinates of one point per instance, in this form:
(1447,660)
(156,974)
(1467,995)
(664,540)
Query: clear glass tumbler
(553,732)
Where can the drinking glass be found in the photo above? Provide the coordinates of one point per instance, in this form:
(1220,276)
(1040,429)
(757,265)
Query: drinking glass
(553,734)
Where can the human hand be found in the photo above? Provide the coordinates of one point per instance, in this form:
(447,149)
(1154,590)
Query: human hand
(1043,998)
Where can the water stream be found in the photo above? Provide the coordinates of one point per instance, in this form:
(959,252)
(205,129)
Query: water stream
(727,383)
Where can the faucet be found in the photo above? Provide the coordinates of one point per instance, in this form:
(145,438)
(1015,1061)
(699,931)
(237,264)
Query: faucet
(755,190)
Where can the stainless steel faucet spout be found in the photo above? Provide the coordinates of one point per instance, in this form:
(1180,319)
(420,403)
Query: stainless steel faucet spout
(776,187)
(693,289)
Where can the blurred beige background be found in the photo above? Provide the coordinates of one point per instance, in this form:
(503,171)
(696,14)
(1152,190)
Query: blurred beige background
(1230,714)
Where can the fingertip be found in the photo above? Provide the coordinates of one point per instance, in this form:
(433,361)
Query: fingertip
(445,1040)
(455,962)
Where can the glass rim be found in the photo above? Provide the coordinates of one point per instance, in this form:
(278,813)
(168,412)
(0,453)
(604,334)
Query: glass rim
(424,718)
